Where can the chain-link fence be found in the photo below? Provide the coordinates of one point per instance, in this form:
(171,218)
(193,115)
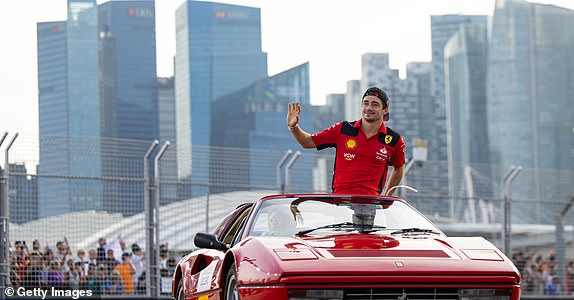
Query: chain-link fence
(80,208)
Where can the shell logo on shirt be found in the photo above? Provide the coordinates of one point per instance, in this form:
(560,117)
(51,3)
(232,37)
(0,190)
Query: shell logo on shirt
(351,144)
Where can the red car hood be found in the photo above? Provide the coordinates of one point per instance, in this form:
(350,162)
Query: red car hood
(267,259)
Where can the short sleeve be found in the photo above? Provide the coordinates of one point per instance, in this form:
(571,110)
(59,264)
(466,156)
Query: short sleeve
(398,157)
(328,137)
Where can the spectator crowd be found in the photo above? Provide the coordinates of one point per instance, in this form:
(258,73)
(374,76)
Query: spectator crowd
(98,270)
(540,274)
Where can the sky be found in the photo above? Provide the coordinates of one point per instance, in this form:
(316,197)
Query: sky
(329,34)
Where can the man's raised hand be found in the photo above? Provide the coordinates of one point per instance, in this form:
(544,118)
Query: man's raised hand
(293,113)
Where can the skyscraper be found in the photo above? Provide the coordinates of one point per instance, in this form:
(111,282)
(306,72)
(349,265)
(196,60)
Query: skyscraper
(97,90)
(442,29)
(129,98)
(23,190)
(128,67)
(255,121)
(332,112)
(218,51)
(465,56)
(166,110)
(69,106)
(530,104)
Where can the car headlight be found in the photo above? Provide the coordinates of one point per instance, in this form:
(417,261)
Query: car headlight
(315,294)
(485,294)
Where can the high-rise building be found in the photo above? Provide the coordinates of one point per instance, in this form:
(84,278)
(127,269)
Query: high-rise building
(442,29)
(530,104)
(465,82)
(253,119)
(69,106)
(166,108)
(128,67)
(353,93)
(465,56)
(23,194)
(218,51)
(97,90)
(332,112)
(128,85)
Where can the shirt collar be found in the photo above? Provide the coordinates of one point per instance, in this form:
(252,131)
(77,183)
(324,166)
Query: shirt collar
(382,130)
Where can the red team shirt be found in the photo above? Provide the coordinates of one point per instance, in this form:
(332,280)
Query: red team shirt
(361,164)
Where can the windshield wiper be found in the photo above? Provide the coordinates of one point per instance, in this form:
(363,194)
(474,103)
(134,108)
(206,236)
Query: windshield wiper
(359,227)
(415,230)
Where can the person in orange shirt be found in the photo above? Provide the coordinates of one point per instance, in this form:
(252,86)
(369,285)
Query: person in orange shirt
(127,271)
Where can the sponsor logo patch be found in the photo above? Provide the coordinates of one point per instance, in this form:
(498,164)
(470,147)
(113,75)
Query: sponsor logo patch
(349,156)
(351,144)
(388,139)
(382,154)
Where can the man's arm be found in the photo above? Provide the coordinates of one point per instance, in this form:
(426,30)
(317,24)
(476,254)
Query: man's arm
(300,135)
(394,180)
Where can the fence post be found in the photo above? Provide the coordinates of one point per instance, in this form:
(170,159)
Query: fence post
(207,210)
(280,186)
(5,260)
(506,190)
(288,171)
(148,219)
(156,176)
(5,279)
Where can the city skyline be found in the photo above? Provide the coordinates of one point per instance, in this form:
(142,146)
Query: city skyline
(279,35)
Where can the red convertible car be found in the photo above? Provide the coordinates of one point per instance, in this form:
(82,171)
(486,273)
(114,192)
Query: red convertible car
(340,247)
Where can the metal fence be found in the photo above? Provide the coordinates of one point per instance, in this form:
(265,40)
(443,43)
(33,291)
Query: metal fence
(77,201)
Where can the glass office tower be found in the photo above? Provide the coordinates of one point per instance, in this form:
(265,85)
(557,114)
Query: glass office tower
(218,51)
(442,29)
(530,104)
(97,106)
(254,128)
(465,57)
(129,98)
(69,107)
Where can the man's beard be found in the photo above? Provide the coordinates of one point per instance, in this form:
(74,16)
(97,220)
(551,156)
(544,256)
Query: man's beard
(372,119)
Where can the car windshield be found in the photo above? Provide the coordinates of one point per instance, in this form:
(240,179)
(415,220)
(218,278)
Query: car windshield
(290,216)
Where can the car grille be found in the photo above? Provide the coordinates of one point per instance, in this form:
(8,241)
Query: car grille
(401,294)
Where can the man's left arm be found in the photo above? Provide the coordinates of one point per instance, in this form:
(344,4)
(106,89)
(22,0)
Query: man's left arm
(394,180)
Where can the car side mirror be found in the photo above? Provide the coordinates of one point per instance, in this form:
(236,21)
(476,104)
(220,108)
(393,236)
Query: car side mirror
(209,241)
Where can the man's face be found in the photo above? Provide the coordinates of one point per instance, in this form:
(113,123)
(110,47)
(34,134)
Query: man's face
(372,109)
(93,254)
(18,247)
(61,247)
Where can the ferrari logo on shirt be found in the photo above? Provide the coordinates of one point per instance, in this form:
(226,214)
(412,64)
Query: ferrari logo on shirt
(388,139)
(351,144)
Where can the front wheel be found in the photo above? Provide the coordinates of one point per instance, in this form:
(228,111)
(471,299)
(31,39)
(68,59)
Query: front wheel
(231,291)
(180,290)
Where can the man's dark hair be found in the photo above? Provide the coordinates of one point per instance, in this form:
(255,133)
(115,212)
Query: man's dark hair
(377,92)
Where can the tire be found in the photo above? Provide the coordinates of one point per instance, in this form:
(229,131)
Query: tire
(231,290)
(180,295)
